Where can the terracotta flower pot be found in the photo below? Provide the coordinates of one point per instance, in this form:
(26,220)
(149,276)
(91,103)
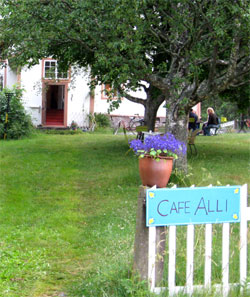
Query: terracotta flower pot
(154,172)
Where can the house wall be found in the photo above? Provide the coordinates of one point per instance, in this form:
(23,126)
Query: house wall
(126,108)
(79,103)
(78,100)
(11,77)
(32,97)
(197,110)
(77,95)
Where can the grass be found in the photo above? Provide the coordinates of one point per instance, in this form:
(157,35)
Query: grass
(68,210)
(226,157)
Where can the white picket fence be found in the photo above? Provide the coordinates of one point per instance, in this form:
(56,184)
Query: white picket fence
(225,286)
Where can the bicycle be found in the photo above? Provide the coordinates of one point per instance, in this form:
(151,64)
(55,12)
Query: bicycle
(131,126)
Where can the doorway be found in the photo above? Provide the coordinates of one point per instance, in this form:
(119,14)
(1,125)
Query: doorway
(55,105)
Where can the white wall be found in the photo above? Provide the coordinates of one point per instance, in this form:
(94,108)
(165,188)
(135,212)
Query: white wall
(78,96)
(32,97)
(78,100)
(126,108)
(11,77)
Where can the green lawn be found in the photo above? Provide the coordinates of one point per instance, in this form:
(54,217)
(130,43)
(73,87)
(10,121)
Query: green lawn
(68,209)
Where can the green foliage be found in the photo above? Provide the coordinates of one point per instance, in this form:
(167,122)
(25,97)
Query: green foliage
(114,104)
(19,122)
(102,120)
(239,97)
(183,40)
(222,108)
(229,103)
(113,280)
(180,179)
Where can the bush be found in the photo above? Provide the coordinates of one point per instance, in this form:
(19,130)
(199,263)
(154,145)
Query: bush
(102,120)
(19,122)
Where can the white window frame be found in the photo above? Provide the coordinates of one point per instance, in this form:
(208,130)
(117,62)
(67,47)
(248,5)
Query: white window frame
(50,64)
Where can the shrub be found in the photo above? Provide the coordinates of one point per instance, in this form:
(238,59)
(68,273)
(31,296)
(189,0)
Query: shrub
(19,122)
(102,120)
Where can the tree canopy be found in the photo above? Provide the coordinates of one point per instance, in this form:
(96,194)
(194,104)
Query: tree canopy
(179,51)
(230,104)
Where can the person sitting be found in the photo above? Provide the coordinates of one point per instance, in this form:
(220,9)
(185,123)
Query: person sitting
(212,122)
(193,119)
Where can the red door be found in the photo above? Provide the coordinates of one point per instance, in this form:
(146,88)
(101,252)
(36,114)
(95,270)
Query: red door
(54,113)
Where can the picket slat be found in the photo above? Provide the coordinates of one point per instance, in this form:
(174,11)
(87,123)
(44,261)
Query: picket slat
(225,257)
(151,255)
(190,259)
(172,259)
(243,234)
(208,255)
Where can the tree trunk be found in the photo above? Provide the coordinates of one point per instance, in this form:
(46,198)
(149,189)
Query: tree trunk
(177,123)
(150,116)
(154,98)
(152,104)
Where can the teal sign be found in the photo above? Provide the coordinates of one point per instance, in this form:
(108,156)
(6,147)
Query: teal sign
(183,206)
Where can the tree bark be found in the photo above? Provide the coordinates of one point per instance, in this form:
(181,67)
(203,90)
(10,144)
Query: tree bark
(150,116)
(152,104)
(176,123)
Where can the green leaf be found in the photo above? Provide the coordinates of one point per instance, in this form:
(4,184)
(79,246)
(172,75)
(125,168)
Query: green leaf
(153,153)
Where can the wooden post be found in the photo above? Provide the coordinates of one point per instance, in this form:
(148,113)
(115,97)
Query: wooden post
(141,237)
(141,242)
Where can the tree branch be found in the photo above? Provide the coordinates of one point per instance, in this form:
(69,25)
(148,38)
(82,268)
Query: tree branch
(130,97)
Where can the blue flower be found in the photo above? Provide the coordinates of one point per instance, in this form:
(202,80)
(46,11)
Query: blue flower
(157,145)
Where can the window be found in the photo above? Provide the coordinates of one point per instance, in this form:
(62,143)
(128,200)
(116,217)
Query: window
(108,92)
(52,70)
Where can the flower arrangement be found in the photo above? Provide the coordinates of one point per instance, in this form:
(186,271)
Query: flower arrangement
(156,146)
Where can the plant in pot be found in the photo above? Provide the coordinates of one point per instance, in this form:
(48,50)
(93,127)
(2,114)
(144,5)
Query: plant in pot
(156,155)
(73,125)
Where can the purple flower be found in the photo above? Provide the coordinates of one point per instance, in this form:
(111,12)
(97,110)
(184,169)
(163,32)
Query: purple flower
(157,145)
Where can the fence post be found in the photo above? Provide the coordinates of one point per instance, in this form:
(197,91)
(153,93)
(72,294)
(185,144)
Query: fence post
(141,247)
(141,237)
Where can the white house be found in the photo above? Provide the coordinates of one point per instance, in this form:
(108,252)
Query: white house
(55,98)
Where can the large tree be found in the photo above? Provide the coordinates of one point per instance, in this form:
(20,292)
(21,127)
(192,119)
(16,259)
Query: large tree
(179,51)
